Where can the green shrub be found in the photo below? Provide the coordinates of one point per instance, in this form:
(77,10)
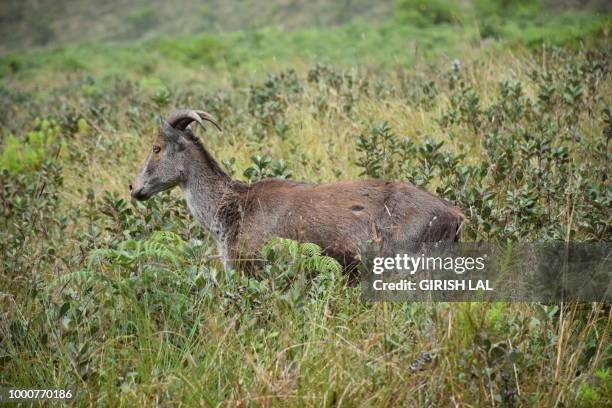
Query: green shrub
(42,143)
(10,64)
(493,15)
(423,13)
(598,394)
(264,167)
(30,217)
(204,49)
(507,8)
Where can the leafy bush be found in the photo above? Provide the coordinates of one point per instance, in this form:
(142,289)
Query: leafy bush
(598,394)
(492,15)
(507,8)
(263,167)
(422,13)
(39,145)
(268,102)
(31,225)
(207,49)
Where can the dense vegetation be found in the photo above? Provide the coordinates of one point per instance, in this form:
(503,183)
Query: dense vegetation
(27,23)
(126,302)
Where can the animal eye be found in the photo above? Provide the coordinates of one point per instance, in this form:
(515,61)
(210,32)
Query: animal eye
(156,149)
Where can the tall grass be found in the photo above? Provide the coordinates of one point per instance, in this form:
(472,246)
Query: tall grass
(128,304)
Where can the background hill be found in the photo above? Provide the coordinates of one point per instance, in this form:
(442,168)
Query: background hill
(35,23)
(27,23)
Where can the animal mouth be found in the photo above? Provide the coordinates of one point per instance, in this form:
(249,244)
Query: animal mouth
(140,195)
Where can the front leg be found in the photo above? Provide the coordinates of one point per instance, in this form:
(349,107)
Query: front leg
(224,255)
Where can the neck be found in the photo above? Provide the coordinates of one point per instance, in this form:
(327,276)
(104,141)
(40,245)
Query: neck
(208,190)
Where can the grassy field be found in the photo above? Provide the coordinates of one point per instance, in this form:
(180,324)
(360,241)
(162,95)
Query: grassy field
(127,303)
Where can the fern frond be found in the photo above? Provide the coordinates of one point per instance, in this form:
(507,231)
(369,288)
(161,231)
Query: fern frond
(321,264)
(278,245)
(309,249)
(77,277)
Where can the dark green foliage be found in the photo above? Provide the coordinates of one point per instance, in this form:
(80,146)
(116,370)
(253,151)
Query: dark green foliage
(422,13)
(269,101)
(507,8)
(31,228)
(23,155)
(379,149)
(263,167)
(300,269)
(599,393)
(204,49)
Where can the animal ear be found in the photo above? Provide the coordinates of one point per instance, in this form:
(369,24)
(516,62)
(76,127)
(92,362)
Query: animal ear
(169,133)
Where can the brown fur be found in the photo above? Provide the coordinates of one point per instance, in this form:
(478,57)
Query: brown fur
(340,217)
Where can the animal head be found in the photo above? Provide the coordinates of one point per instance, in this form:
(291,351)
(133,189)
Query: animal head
(165,166)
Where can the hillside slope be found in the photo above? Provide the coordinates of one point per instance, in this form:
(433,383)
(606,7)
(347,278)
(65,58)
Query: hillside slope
(37,23)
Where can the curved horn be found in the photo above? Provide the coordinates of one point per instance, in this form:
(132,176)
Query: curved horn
(181,118)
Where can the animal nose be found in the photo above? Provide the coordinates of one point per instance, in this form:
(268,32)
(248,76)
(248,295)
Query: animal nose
(137,189)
